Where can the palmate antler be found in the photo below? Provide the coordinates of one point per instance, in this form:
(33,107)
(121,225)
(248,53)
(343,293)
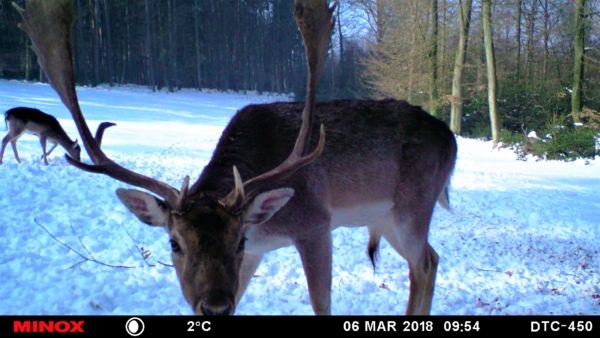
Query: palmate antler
(315,21)
(48,25)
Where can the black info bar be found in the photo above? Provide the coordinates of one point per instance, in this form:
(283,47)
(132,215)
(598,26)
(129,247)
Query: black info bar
(333,326)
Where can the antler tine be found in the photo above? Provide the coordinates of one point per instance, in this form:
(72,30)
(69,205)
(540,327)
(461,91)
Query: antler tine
(315,21)
(48,25)
(100,131)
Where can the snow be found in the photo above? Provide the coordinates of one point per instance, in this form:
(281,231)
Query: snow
(523,237)
(532,134)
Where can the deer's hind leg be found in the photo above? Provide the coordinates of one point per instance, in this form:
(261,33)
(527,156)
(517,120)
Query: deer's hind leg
(5,141)
(406,229)
(10,137)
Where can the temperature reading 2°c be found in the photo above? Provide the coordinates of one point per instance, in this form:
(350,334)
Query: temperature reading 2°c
(200,325)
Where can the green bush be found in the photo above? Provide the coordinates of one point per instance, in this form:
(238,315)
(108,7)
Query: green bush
(519,108)
(515,141)
(509,138)
(530,108)
(567,144)
(560,143)
(476,119)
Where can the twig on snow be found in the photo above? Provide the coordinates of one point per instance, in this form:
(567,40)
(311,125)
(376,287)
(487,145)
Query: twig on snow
(488,270)
(84,258)
(145,254)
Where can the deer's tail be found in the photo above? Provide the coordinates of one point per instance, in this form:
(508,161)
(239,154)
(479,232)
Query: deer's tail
(373,246)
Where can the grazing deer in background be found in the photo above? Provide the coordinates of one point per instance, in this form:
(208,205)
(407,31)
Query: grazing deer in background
(22,120)
(384,165)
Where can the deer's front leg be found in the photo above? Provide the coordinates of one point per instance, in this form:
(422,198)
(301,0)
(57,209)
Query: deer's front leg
(43,144)
(13,144)
(315,253)
(51,149)
(5,141)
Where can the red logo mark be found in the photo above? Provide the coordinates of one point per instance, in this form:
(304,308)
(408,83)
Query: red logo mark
(48,326)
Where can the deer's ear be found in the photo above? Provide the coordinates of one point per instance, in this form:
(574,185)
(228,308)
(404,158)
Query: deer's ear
(145,206)
(266,204)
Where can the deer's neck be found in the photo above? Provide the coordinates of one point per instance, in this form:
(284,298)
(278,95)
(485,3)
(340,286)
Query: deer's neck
(64,140)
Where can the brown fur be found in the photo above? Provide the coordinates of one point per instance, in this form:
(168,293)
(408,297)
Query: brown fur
(375,151)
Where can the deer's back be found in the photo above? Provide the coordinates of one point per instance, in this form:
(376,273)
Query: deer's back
(371,146)
(35,121)
(31,115)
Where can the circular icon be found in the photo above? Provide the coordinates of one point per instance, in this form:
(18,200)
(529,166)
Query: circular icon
(134,326)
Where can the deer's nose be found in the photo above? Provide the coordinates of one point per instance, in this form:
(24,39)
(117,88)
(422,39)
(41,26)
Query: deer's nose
(216,304)
(215,309)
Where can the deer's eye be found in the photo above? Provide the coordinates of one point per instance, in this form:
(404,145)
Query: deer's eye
(242,245)
(175,247)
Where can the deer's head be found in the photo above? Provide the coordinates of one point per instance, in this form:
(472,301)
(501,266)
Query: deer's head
(75,151)
(207,237)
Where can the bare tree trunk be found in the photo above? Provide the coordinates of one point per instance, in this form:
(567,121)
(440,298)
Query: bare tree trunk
(518,38)
(579,47)
(339,89)
(433,55)
(443,40)
(546,40)
(529,31)
(27,61)
(413,50)
(380,20)
(171,50)
(79,57)
(124,58)
(456,110)
(340,33)
(149,54)
(491,70)
(97,41)
(107,32)
(480,59)
(197,44)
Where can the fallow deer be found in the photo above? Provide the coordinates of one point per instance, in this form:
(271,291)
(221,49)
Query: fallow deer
(384,165)
(21,120)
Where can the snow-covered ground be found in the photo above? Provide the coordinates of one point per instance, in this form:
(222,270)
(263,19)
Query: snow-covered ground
(522,238)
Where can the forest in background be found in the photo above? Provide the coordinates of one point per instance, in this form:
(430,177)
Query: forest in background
(240,45)
(431,52)
(535,50)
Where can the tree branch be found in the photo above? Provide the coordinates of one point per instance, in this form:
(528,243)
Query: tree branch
(84,257)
